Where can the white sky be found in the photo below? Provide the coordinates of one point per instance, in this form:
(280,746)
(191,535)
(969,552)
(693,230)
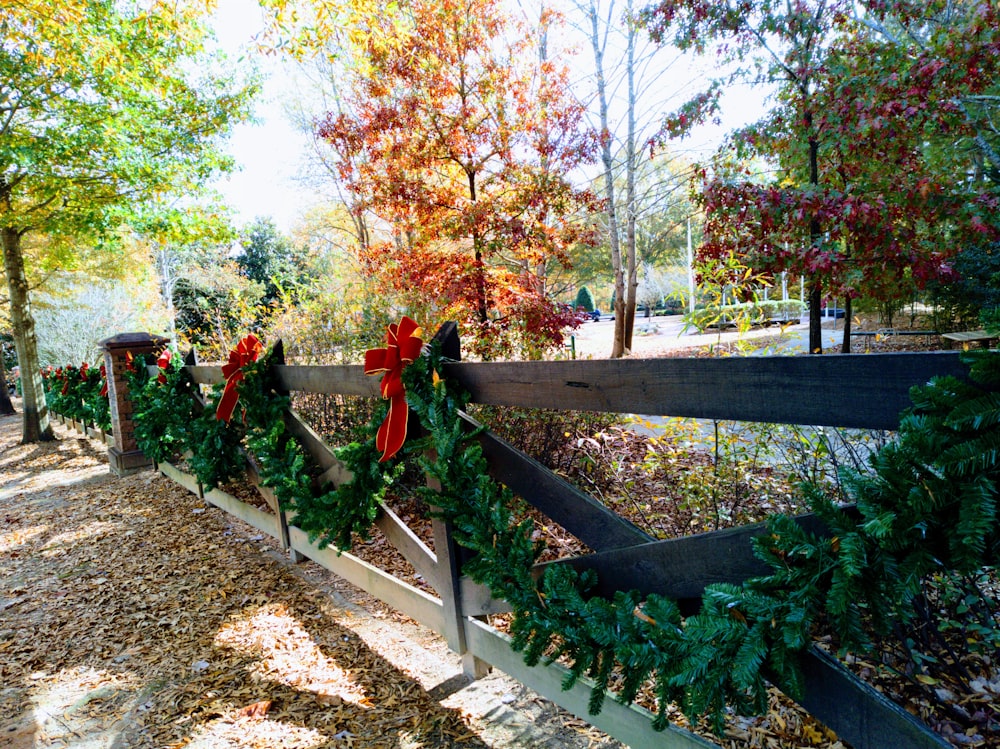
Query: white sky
(270,153)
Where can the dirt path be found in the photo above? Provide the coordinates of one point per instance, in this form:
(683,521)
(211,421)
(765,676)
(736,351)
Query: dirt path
(132,615)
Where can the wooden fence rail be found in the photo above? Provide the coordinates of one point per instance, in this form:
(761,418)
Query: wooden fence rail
(858,391)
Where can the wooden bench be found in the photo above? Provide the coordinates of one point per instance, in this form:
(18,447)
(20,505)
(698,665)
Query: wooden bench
(968,337)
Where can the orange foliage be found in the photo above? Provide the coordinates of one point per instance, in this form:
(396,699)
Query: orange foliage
(462,142)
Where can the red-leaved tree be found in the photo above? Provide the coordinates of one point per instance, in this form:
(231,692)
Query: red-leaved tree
(872,191)
(458,136)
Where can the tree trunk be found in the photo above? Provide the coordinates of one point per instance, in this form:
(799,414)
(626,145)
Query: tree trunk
(36,426)
(815,237)
(482,305)
(6,407)
(630,169)
(622,326)
(845,345)
(815,321)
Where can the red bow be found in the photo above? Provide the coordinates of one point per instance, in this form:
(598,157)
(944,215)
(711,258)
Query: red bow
(129,364)
(403,347)
(163,363)
(246,351)
(104,376)
(83,371)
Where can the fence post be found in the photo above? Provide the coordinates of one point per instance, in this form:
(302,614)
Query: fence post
(450,556)
(124,456)
(278,358)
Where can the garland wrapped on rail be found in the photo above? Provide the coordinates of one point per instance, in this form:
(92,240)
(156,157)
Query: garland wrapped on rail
(929,507)
(79,393)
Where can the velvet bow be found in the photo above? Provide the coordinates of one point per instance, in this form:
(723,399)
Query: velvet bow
(163,363)
(403,345)
(246,352)
(104,376)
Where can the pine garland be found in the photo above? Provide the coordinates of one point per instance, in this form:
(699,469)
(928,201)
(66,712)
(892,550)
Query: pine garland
(929,506)
(76,393)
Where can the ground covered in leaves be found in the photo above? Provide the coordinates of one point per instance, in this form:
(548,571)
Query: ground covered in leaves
(133,615)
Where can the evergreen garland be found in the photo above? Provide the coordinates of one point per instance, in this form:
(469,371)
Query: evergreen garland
(929,506)
(76,393)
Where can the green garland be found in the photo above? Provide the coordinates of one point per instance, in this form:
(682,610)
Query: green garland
(76,394)
(929,507)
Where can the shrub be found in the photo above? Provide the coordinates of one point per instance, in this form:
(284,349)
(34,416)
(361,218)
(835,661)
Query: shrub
(584,300)
(752,313)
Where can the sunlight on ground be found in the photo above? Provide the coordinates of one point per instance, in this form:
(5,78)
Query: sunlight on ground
(39,481)
(20,536)
(80,706)
(251,732)
(96,529)
(288,655)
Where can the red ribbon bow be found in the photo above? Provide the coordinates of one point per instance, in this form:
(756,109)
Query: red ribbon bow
(246,351)
(403,346)
(104,376)
(129,363)
(163,363)
(83,371)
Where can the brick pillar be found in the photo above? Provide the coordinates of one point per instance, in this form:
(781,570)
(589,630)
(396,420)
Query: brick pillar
(125,456)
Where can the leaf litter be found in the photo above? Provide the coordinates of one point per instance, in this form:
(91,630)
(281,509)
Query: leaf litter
(134,615)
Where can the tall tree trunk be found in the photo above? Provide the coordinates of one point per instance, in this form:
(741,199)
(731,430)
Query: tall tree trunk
(815,237)
(619,347)
(482,305)
(630,169)
(845,344)
(36,426)
(6,407)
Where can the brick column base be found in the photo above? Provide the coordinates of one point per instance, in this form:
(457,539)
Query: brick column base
(124,456)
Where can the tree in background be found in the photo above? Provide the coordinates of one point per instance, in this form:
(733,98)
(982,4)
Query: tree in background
(584,300)
(76,312)
(461,142)
(177,237)
(269,259)
(626,92)
(104,106)
(766,43)
(859,202)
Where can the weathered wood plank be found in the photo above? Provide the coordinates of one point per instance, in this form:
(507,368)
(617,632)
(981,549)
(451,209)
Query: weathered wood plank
(680,568)
(206,374)
(259,519)
(627,723)
(574,510)
(344,379)
(478,601)
(858,713)
(411,601)
(312,443)
(411,547)
(851,390)
(180,477)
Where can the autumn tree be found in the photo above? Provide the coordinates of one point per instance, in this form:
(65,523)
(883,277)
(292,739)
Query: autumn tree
(103,105)
(459,136)
(628,80)
(855,203)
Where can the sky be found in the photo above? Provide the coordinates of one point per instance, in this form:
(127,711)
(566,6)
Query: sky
(271,152)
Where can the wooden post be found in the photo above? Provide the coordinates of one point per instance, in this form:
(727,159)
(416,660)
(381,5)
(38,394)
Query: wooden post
(191,360)
(449,554)
(278,358)
(124,456)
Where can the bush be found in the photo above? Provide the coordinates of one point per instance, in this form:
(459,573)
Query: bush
(584,300)
(751,313)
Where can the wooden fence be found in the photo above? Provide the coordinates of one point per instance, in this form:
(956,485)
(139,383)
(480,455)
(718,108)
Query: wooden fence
(861,391)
